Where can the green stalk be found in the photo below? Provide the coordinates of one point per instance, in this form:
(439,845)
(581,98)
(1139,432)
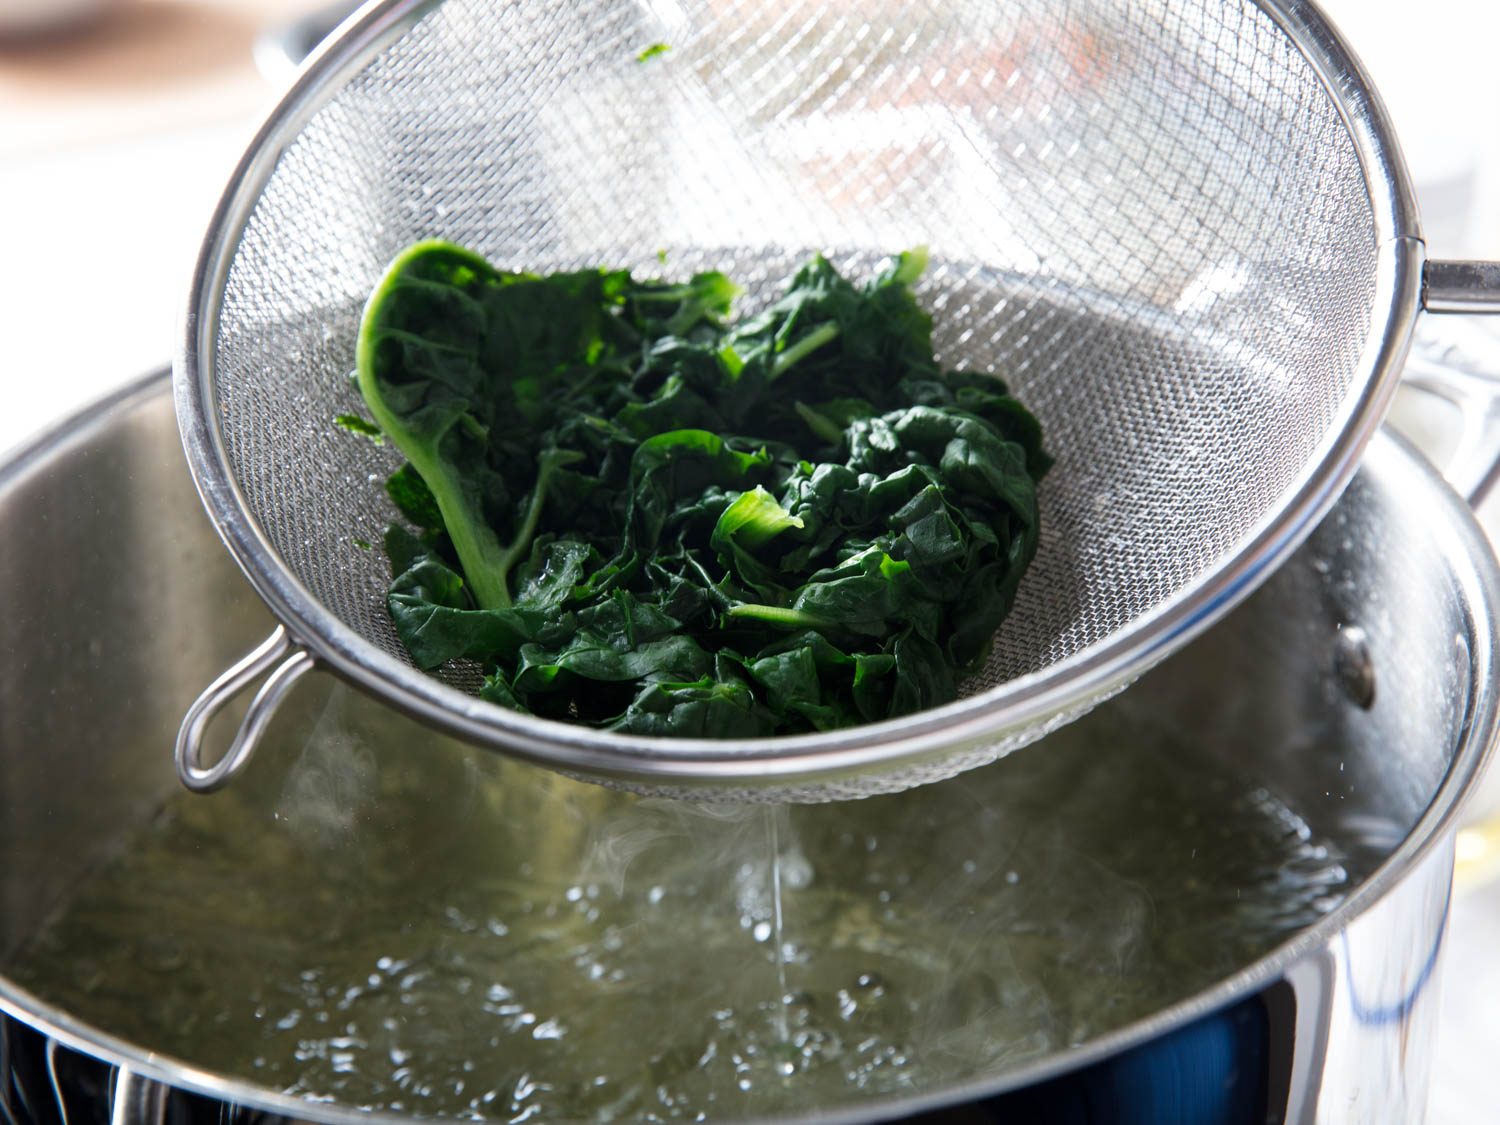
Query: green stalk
(818,424)
(485,561)
(548,463)
(803,347)
(776,615)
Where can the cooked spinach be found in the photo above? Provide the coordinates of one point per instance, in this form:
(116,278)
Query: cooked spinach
(640,515)
(361,426)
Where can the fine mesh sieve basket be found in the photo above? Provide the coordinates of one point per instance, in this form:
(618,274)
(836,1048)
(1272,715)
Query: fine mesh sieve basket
(1179,229)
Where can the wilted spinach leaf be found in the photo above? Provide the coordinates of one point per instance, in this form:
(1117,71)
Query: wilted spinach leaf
(639,515)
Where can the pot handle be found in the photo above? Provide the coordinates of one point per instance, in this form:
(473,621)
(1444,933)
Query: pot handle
(136,1100)
(289,661)
(1469,384)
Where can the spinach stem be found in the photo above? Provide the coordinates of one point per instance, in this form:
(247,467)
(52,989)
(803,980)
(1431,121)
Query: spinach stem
(820,425)
(547,464)
(481,554)
(803,347)
(777,615)
(478,549)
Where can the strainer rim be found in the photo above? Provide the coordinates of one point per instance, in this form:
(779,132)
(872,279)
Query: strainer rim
(1013,706)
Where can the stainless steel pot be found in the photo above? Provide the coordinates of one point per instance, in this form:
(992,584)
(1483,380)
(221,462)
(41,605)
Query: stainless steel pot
(1377,638)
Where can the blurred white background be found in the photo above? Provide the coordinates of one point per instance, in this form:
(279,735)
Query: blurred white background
(116,136)
(1434,65)
(116,139)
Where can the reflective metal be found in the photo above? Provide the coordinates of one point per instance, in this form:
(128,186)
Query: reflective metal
(1461,287)
(282,48)
(1461,367)
(272,657)
(1181,230)
(136,1100)
(118,597)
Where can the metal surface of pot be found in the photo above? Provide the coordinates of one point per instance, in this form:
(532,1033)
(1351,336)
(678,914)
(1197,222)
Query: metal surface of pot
(1358,683)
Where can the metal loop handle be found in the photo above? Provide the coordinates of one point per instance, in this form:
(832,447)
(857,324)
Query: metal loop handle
(273,653)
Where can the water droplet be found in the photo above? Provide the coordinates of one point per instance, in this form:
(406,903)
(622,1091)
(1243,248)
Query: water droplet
(796,871)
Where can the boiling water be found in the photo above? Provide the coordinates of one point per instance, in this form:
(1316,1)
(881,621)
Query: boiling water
(380,918)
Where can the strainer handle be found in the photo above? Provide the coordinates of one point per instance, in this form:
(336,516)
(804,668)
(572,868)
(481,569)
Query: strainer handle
(289,661)
(1461,287)
(1465,375)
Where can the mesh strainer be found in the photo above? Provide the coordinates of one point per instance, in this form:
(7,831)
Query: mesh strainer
(1180,229)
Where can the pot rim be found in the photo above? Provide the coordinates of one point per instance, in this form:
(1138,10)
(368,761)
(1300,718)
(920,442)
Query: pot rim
(1473,571)
(1010,713)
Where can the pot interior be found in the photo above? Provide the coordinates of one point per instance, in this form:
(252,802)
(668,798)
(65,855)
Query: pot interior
(375,916)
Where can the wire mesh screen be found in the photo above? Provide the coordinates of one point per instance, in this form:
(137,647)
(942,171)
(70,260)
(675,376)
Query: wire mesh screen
(1148,218)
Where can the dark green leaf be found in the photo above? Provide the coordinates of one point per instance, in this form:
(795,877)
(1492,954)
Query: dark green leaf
(639,515)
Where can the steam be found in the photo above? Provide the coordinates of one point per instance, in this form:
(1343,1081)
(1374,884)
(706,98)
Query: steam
(332,783)
(680,842)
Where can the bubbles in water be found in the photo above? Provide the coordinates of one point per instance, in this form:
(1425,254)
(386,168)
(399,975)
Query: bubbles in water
(796,870)
(870,985)
(432,936)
